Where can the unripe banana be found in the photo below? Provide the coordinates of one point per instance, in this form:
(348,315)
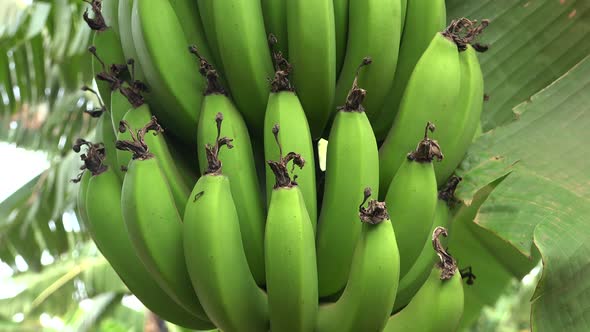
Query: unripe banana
(104,133)
(206,14)
(412,197)
(438,305)
(460,126)
(106,40)
(423,19)
(187,12)
(284,109)
(289,247)
(352,165)
(102,200)
(126,36)
(403,11)
(310,26)
(431,94)
(370,291)
(214,252)
(420,270)
(153,222)
(245,56)
(275,22)
(374,30)
(238,166)
(82,180)
(137,118)
(170,73)
(341,24)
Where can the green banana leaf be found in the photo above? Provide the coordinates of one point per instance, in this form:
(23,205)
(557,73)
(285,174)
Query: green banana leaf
(532,43)
(537,64)
(84,274)
(545,202)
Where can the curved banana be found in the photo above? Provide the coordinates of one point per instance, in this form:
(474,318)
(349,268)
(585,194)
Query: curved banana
(423,19)
(374,30)
(107,42)
(458,129)
(206,14)
(126,35)
(104,133)
(310,26)
(285,110)
(154,224)
(370,291)
(169,70)
(137,118)
(238,166)
(82,181)
(289,247)
(341,29)
(275,22)
(431,94)
(245,56)
(352,165)
(411,198)
(418,273)
(438,305)
(189,18)
(214,252)
(100,195)
(403,11)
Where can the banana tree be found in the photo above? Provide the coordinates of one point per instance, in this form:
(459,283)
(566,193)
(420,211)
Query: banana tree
(523,199)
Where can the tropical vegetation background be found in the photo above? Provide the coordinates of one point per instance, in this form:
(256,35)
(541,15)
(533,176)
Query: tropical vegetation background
(526,191)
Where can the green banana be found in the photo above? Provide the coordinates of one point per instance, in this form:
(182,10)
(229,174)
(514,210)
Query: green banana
(104,133)
(418,273)
(126,35)
(438,305)
(190,20)
(289,248)
(310,26)
(108,43)
(374,30)
(245,56)
(275,22)
(352,165)
(170,73)
(137,118)
(119,107)
(423,19)
(431,94)
(81,197)
(403,11)
(100,198)
(214,252)
(341,29)
(127,96)
(206,14)
(370,291)
(238,164)
(153,222)
(284,109)
(411,198)
(436,92)
(460,127)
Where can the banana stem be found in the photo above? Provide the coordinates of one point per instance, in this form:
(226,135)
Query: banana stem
(279,168)
(464,32)
(212,150)
(375,213)
(447,263)
(137,144)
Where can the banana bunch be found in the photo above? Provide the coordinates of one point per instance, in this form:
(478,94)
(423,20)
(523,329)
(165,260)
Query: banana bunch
(206,186)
